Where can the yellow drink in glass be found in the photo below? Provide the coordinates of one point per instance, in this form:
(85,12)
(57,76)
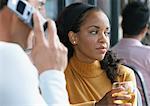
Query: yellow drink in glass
(129,89)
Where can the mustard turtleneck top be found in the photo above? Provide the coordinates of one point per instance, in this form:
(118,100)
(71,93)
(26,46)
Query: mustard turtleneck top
(88,83)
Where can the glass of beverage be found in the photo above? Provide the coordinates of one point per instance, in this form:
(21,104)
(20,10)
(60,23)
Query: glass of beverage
(129,89)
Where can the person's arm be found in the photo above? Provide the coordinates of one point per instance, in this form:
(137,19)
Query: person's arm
(19,85)
(52,82)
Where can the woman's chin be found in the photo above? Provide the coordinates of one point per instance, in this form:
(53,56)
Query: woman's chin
(101,58)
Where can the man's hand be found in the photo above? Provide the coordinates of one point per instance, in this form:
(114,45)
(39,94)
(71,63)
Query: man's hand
(48,53)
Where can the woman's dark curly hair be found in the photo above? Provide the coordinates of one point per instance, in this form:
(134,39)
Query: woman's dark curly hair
(70,20)
(110,65)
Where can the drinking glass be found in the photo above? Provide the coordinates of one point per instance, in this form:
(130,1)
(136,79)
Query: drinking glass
(129,89)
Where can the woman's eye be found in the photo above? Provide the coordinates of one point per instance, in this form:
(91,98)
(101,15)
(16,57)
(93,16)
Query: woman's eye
(93,32)
(107,33)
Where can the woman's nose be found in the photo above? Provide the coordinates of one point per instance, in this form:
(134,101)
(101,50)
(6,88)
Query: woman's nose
(102,37)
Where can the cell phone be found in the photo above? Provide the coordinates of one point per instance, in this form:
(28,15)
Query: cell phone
(25,12)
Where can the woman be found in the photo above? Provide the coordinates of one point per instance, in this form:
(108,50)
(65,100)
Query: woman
(92,69)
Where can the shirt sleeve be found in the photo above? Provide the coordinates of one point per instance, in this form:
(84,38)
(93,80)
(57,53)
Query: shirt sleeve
(53,87)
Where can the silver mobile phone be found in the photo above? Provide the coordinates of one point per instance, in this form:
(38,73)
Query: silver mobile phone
(25,12)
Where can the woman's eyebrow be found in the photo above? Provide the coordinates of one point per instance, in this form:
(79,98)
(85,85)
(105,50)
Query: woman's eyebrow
(107,28)
(94,26)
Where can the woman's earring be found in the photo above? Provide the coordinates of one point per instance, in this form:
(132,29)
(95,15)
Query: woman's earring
(74,42)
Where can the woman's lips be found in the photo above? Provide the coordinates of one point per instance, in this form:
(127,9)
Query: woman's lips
(101,50)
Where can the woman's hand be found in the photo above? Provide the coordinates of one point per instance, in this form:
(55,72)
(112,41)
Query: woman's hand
(115,94)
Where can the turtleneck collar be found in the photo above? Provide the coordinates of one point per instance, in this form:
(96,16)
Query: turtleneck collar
(86,69)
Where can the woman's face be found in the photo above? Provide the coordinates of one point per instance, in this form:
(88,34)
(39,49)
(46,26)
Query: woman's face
(93,37)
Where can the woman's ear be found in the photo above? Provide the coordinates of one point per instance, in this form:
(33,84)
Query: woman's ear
(73,37)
